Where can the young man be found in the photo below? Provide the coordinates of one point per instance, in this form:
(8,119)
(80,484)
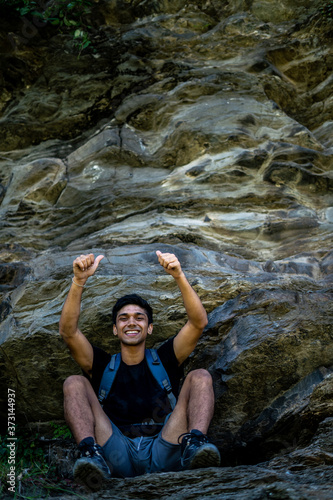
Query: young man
(136,431)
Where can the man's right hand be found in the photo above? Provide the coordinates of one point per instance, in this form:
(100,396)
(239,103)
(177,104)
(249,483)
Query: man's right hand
(85,266)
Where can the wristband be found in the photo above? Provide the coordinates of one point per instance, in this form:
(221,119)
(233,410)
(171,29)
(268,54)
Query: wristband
(82,286)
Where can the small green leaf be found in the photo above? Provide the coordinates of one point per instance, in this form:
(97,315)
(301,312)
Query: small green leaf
(38,14)
(24,10)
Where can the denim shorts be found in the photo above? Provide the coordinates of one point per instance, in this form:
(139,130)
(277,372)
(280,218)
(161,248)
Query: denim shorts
(129,457)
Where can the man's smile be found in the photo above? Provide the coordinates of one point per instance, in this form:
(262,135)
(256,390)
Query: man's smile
(132,333)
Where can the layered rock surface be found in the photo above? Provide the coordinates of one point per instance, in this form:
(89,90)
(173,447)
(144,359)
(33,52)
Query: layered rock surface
(204,129)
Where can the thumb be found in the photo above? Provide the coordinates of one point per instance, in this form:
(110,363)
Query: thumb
(158,253)
(97,261)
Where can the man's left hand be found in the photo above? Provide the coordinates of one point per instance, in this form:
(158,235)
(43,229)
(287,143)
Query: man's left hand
(170,263)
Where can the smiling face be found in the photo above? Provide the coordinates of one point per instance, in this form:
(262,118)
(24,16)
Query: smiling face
(132,325)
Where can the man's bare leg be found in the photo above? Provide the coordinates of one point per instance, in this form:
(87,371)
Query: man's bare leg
(194,410)
(89,425)
(83,413)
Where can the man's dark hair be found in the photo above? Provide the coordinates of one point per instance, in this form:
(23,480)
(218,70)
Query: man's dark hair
(132,298)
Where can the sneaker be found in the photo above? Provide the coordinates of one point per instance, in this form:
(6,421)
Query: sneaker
(197,451)
(91,469)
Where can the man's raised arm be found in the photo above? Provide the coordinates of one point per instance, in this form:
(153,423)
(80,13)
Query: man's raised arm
(187,338)
(81,349)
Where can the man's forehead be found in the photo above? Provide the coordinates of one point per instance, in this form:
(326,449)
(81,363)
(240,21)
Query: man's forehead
(132,309)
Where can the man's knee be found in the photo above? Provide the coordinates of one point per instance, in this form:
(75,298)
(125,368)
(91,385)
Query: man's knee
(200,376)
(74,383)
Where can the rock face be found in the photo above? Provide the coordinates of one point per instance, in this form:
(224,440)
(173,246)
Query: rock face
(204,129)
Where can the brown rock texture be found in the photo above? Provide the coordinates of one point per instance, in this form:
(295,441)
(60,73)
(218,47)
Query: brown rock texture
(204,129)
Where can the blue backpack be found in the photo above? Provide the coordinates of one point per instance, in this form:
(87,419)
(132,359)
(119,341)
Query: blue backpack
(157,370)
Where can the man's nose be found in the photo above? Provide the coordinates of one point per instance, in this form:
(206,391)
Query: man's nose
(131,320)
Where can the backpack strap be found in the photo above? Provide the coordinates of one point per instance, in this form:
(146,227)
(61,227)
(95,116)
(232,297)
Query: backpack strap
(157,370)
(159,373)
(108,377)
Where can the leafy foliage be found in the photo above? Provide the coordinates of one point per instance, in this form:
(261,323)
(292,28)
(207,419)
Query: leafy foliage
(64,14)
(60,431)
(30,460)
(327,10)
(35,471)
(10,3)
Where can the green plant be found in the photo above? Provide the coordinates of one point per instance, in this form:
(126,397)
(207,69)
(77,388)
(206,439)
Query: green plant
(81,40)
(27,452)
(25,460)
(66,15)
(10,3)
(26,6)
(35,472)
(70,14)
(60,431)
(327,10)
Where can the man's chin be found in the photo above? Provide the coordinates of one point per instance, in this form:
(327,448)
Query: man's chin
(132,340)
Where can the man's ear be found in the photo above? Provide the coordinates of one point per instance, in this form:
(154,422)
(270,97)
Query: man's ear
(115,332)
(150,329)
